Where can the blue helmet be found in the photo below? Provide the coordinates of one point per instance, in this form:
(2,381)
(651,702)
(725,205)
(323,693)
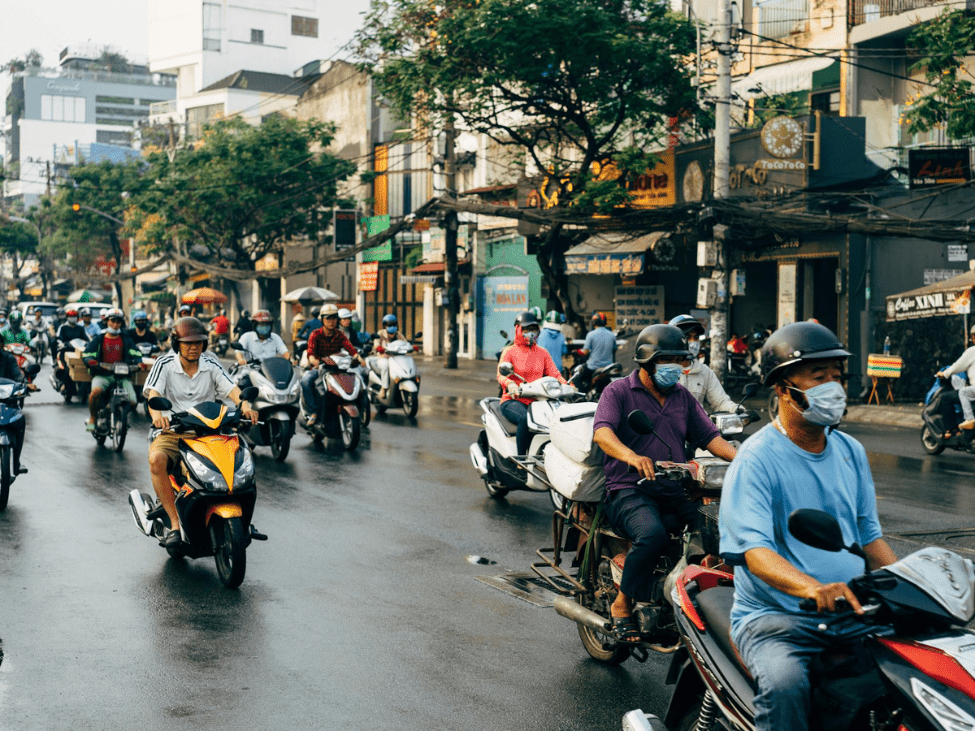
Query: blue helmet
(390,320)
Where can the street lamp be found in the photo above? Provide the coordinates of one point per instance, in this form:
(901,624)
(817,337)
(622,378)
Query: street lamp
(78,207)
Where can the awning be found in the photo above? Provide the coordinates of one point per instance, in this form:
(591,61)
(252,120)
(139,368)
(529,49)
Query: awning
(950,297)
(611,254)
(154,285)
(436,267)
(420,279)
(782,78)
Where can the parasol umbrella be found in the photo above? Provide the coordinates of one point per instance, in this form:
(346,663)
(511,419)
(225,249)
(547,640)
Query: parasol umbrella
(86,295)
(310,295)
(203,296)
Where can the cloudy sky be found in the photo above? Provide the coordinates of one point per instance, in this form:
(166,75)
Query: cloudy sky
(50,25)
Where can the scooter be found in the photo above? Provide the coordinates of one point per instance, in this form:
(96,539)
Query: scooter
(214,488)
(596,555)
(12,395)
(913,674)
(150,352)
(221,344)
(112,418)
(403,380)
(61,379)
(601,377)
(22,353)
(279,391)
(338,389)
(941,415)
(495,453)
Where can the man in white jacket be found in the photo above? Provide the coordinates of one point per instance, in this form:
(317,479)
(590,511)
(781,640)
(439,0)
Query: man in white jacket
(966,363)
(696,377)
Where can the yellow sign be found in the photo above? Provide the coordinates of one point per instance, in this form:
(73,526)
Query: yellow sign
(653,189)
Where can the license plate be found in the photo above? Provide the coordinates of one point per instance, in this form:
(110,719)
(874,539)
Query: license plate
(121,370)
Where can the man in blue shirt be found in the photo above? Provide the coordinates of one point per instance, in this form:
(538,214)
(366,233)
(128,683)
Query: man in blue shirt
(798,461)
(552,339)
(312,325)
(638,511)
(600,346)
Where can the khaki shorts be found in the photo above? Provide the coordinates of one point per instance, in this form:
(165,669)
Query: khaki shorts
(168,443)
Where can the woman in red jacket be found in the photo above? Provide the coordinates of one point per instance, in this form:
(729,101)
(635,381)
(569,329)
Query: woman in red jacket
(531,362)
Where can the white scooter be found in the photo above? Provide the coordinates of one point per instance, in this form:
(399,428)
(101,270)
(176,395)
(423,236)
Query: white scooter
(495,453)
(403,381)
(279,389)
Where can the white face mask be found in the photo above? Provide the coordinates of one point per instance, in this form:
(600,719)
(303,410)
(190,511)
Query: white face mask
(827,403)
(694,347)
(113,330)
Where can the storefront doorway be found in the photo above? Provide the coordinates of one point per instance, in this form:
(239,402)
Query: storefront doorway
(816,295)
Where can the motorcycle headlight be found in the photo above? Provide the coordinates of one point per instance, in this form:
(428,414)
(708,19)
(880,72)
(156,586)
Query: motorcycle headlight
(295,388)
(206,474)
(554,390)
(729,424)
(6,390)
(243,467)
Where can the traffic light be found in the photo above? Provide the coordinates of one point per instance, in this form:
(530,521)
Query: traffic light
(76,207)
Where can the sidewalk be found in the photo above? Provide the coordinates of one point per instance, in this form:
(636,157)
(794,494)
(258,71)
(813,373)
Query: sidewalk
(483,372)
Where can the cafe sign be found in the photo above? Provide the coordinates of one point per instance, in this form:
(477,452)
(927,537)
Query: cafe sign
(930,166)
(933,304)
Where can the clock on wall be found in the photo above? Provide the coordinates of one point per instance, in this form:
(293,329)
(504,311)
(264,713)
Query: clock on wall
(693,183)
(782,137)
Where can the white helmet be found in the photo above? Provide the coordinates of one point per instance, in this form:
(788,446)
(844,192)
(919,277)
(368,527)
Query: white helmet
(344,313)
(328,311)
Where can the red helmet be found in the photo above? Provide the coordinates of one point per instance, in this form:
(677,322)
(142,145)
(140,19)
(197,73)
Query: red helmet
(262,316)
(71,311)
(188,330)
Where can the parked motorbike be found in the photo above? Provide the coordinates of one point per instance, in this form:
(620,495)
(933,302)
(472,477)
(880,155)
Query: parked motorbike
(596,554)
(338,389)
(279,391)
(918,678)
(495,453)
(214,487)
(12,395)
(112,418)
(942,415)
(404,380)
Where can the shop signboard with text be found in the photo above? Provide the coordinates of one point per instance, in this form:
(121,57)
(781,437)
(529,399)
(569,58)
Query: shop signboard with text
(501,300)
(639,306)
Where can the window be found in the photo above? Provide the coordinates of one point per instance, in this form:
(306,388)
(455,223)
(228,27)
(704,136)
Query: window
(114,100)
(782,18)
(111,137)
(827,102)
(196,117)
(62,108)
(304,26)
(257,36)
(122,111)
(212,26)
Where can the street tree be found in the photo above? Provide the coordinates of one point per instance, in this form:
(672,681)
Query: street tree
(943,48)
(18,241)
(566,84)
(241,192)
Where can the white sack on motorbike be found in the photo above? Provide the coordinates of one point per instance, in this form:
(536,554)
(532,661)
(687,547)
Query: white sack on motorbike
(571,432)
(579,482)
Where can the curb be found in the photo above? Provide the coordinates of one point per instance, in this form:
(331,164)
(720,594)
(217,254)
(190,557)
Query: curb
(909,418)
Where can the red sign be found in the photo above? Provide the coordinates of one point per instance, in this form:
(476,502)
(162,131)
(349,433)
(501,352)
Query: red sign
(369,276)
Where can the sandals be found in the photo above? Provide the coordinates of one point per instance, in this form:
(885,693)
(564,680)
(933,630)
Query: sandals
(627,630)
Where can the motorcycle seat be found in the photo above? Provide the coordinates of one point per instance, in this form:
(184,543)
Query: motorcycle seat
(509,428)
(715,607)
(608,369)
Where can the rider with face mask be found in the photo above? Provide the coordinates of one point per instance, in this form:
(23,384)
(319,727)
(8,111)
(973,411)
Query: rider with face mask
(15,332)
(261,343)
(637,511)
(530,361)
(107,348)
(695,376)
(3,320)
(389,333)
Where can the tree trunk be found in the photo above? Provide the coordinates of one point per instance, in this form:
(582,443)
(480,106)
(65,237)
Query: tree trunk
(553,272)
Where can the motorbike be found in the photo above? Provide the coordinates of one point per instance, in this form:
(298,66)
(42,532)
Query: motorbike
(298,354)
(23,354)
(112,418)
(596,555)
(913,674)
(404,380)
(149,352)
(39,343)
(495,454)
(601,377)
(221,344)
(12,395)
(279,391)
(214,487)
(61,380)
(339,390)
(941,415)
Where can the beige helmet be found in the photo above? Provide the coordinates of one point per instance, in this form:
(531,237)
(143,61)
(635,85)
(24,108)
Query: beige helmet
(329,311)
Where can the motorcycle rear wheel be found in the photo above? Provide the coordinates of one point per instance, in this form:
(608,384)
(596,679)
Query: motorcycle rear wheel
(365,411)
(280,440)
(350,430)
(602,648)
(930,442)
(229,550)
(493,490)
(410,403)
(5,477)
(120,427)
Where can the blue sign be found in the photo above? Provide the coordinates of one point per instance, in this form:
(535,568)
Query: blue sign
(500,300)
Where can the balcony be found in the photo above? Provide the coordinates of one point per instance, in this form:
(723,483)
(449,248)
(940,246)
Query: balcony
(871,11)
(157,109)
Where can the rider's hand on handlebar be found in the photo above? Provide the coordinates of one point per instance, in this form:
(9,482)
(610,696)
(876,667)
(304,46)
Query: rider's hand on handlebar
(826,596)
(643,465)
(514,388)
(940,374)
(249,413)
(159,419)
(32,387)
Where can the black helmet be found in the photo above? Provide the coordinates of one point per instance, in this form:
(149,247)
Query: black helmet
(188,329)
(795,343)
(598,318)
(316,311)
(657,340)
(246,314)
(527,318)
(688,324)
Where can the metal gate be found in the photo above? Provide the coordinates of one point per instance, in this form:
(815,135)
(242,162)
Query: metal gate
(403,300)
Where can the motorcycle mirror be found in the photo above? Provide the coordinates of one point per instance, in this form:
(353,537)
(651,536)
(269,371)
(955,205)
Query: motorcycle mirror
(504,334)
(506,369)
(749,390)
(158,403)
(249,394)
(236,346)
(820,530)
(32,370)
(418,336)
(639,422)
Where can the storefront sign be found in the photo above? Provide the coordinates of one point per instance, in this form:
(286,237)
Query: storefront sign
(787,295)
(929,166)
(625,264)
(369,276)
(957,252)
(376,225)
(939,275)
(640,306)
(936,304)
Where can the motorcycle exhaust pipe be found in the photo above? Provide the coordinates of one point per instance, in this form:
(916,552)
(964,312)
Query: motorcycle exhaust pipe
(571,609)
(140,512)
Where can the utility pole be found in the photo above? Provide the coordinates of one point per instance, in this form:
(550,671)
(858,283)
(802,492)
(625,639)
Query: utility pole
(722,185)
(450,280)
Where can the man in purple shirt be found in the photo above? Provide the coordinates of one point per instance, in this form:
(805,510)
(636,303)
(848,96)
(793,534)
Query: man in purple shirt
(639,511)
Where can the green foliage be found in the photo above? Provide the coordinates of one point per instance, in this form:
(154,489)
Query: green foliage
(794,104)
(15,236)
(242,192)
(941,47)
(570,82)
(33,59)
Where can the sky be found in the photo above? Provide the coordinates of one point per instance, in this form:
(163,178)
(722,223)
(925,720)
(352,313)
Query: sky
(50,25)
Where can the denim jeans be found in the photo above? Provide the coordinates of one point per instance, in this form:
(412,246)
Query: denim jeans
(517,413)
(777,649)
(308,390)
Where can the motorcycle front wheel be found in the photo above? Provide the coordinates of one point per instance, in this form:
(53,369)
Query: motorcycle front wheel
(229,550)
(280,439)
(365,410)
(350,431)
(5,477)
(930,441)
(410,403)
(493,490)
(120,425)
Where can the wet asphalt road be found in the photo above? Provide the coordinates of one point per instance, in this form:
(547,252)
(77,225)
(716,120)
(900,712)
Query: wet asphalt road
(361,611)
